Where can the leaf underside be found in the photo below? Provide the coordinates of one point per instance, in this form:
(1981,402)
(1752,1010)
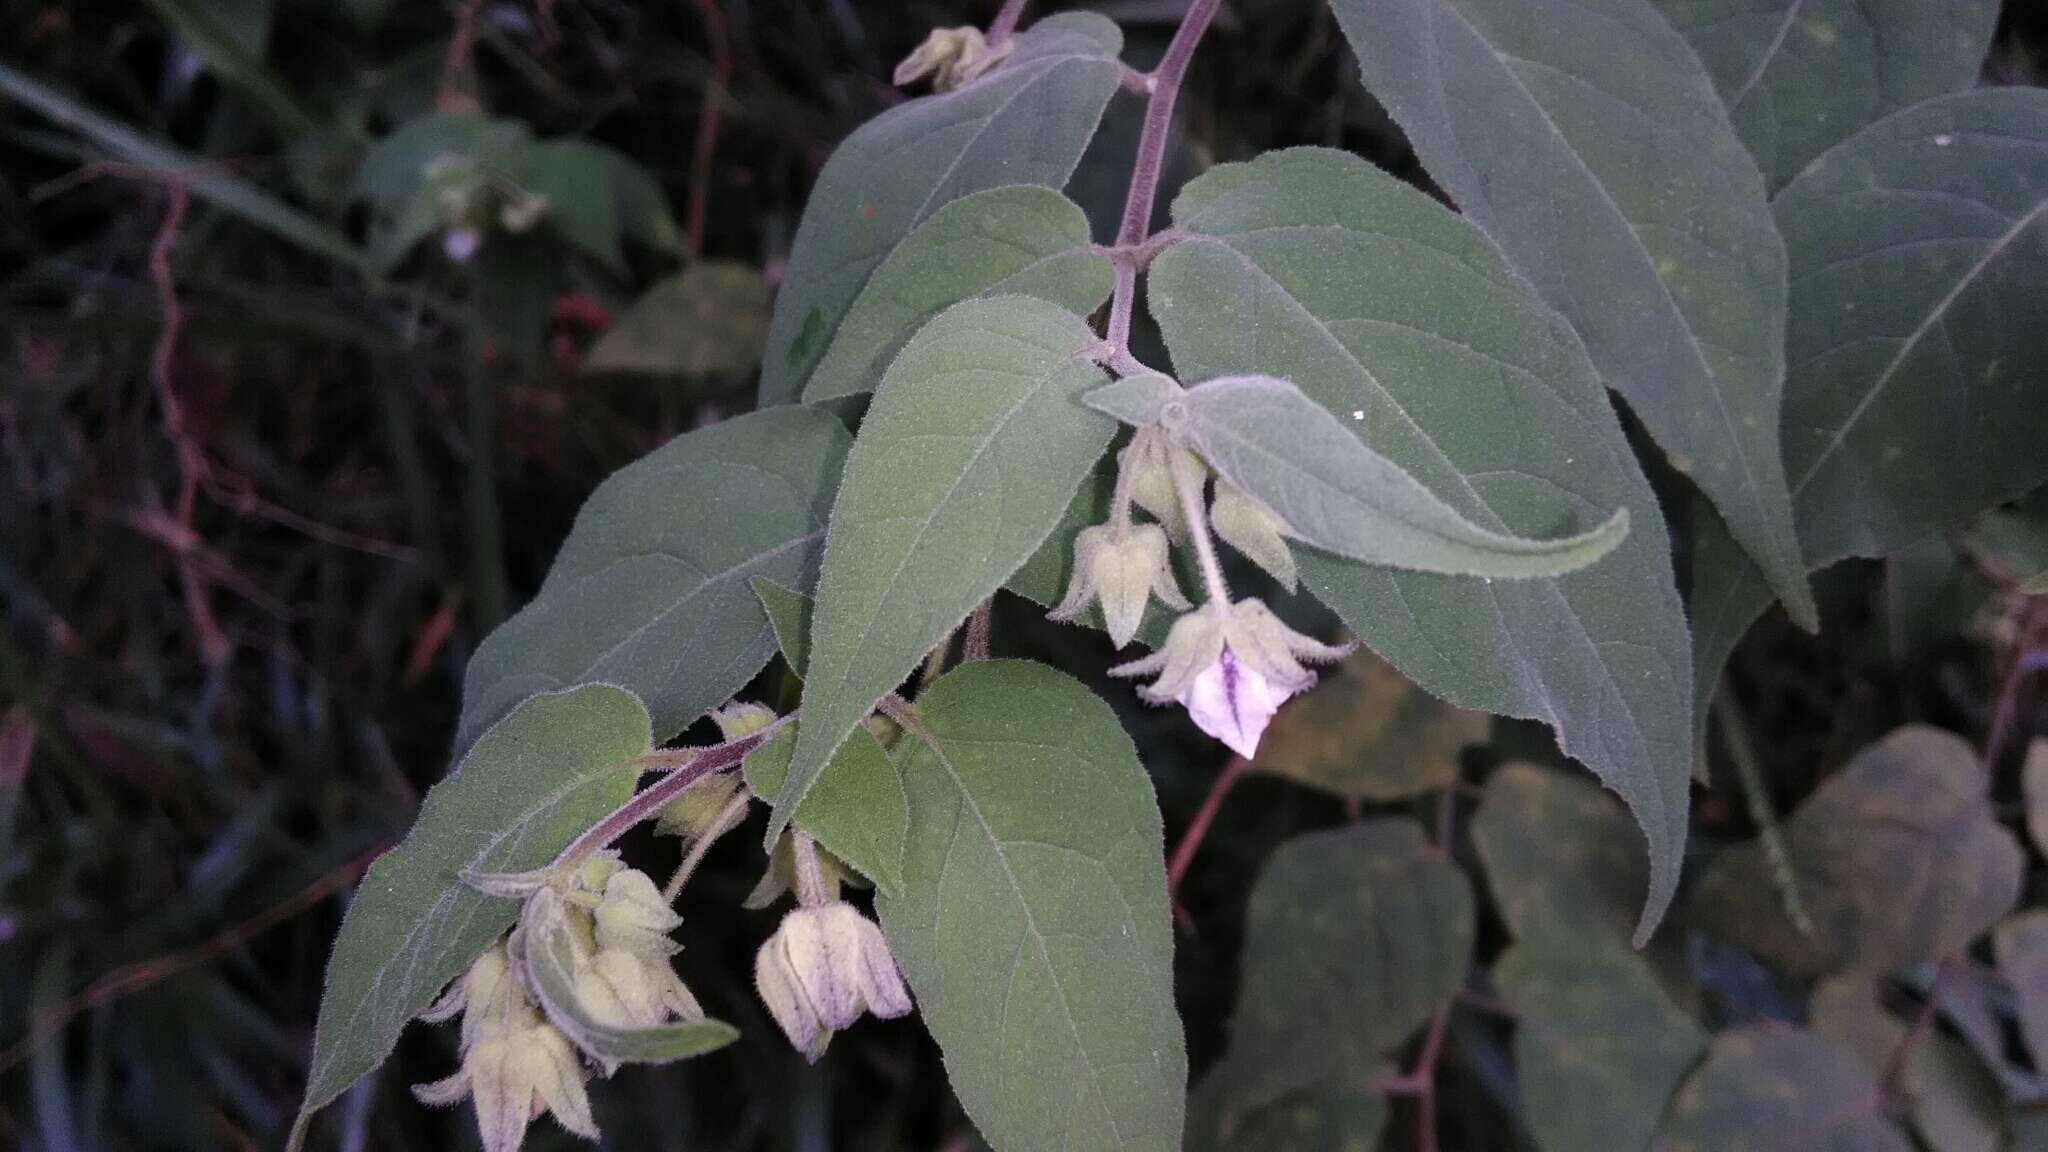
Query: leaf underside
(533,782)
(1403,321)
(1587,140)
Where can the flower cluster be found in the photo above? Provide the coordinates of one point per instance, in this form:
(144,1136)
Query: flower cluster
(1230,663)
(515,1065)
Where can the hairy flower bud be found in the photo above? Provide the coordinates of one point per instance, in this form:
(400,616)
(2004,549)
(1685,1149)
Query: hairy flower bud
(952,57)
(515,1065)
(1252,529)
(742,718)
(633,916)
(694,813)
(1147,463)
(821,969)
(1123,571)
(1231,666)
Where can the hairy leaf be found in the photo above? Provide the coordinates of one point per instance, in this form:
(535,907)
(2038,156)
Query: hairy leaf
(1599,1048)
(1137,400)
(789,614)
(651,592)
(532,783)
(1026,122)
(1587,140)
(551,962)
(709,319)
(1368,733)
(856,809)
(1353,938)
(968,458)
(1022,240)
(1403,320)
(1907,407)
(1799,76)
(1033,924)
(1899,859)
(1293,456)
(1770,1087)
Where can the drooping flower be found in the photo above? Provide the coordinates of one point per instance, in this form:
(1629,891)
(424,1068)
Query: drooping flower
(1231,665)
(1123,570)
(515,1065)
(821,969)
(1147,463)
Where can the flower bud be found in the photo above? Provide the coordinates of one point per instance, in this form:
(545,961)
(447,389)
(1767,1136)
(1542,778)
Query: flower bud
(1257,534)
(1147,463)
(693,814)
(821,969)
(952,57)
(634,917)
(742,718)
(1123,571)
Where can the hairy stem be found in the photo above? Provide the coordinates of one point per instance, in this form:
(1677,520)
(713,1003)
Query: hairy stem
(1742,753)
(810,881)
(727,819)
(684,767)
(1005,22)
(1187,483)
(1163,86)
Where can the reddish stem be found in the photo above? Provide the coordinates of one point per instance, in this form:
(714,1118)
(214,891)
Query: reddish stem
(683,767)
(2032,620)
(1184,852)
(1165,85)
(1421,1083)
(1005,22)
(458,53)
(708,119)
(1892,1085)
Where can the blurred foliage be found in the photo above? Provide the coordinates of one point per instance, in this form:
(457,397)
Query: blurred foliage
(215,710)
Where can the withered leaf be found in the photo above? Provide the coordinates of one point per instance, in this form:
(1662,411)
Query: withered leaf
(1367,732)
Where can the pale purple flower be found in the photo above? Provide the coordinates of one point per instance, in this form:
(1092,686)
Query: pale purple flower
(821,969)
(1232,702)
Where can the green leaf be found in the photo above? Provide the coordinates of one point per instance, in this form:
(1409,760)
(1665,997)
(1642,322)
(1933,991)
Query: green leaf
(651,590)
(1557,855)
(1136,400)
(1599,1048)
(1353,939)
(1292,455)
(230,38)
(539,778)
(968,458)
(1023,240)
(1954,1100)
(1799,76)
(710,319)
(1899,859)
(856,809)
(551,961)
(789,614)
(1368,733)
(595,195)
(395,167)
(1770,1086)
(1343,1117)
(208,181)
(1026,122)
(1403,320)
(1907,411)
(1588,141)
(1033,925)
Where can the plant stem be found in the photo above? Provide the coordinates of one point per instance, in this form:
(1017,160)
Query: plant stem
(1184,852)
(1187,483)
(1163,84)
(707,123)
(700,762)
(1735,734)
(810,882)
(1005,22)
(727,819)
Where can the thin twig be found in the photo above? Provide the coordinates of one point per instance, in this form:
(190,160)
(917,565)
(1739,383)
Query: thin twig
(2033,619)
(708,118)
(1892,1085)
(1727,713)
(1198,827)
(446,92)
(728,818)
(979,625)
(1421,1082)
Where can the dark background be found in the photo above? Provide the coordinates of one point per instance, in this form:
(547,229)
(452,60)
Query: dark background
(175,857)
